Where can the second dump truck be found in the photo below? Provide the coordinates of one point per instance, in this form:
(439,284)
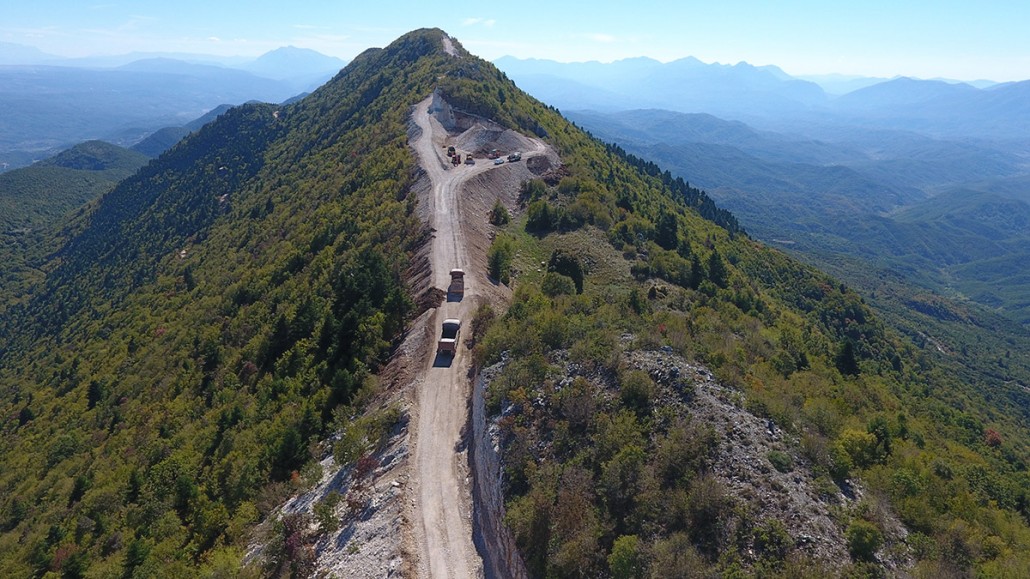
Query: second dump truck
(448,343)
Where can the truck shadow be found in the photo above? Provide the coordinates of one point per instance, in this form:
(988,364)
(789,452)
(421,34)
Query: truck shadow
(443,360)
(454,297)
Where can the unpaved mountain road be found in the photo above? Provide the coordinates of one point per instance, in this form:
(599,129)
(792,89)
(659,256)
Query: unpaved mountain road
(441,517)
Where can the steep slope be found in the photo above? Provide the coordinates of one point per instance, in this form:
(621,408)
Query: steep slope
(201,329)
(36,200)
(163,139)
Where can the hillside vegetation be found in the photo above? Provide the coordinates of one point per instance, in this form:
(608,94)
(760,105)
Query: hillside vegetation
(35,202)
(163,385)
(947,457)
(225,309)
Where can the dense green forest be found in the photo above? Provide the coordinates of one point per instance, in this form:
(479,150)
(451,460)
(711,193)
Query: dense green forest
(222,310)
(163,384)
(35,203)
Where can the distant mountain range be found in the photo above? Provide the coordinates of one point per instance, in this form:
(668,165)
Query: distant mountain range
(282,63)
(686,85)
(51,103)
(767,97)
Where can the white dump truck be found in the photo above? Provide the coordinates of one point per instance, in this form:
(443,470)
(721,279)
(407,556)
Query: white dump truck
(449,337)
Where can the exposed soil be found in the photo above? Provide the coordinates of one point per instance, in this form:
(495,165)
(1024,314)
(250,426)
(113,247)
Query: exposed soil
(460,198)
(411,515)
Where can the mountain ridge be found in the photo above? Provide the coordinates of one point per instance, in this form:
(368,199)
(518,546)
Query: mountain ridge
(212,332)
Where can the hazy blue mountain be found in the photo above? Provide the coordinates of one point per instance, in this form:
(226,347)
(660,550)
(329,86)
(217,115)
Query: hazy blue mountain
(50,102)
(290,62)
(940,108)
(686,85)
(649,126)
(897,159)
(769,98)
(11,53)
(900,92)
(46,108)
(837,84)
(117,60)
(284,63)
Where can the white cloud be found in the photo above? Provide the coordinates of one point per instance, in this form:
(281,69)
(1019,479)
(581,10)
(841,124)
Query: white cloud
(601,37)
(489,23)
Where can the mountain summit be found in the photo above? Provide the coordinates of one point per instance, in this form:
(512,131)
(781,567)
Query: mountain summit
(292,62)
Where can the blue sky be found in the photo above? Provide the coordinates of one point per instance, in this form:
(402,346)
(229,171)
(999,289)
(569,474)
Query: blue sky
(941,38)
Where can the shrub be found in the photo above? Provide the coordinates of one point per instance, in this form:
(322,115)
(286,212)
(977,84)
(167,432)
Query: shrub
(864,539)
(290,552)
(556,284)
(781,461)
(325,512)
(482,319)
(625,560)
(567,265)
(637,390)
(540,217)
(772,540)
(499,214)
(499,259)
(532,190)
(860,447)
(992,438)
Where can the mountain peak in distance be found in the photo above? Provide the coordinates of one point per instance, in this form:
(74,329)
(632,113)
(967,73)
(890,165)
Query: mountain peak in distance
(291,62)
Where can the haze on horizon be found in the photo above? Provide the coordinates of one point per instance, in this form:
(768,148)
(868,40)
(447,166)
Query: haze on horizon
(885,38)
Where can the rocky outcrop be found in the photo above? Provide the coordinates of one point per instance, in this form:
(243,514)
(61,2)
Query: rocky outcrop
(501,558)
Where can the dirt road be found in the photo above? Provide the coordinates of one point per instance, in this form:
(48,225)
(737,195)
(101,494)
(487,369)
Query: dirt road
(442,511)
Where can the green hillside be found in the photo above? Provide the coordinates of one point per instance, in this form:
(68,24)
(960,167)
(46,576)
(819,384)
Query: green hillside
(36,200)
(225,308)
(163,384)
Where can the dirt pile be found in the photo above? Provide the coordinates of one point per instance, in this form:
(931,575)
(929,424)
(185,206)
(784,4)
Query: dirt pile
(480,139)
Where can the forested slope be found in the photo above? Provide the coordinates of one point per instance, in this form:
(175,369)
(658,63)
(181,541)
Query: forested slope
(161,388)
(36,204)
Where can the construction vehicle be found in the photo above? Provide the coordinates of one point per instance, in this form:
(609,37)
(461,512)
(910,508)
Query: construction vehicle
(469,160)
(450,151)
(457,286)
(494,153)
(449,337)
(456,159)
(516,156)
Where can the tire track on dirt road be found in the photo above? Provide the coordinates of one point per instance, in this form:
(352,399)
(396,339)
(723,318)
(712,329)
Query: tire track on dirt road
(442,508)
